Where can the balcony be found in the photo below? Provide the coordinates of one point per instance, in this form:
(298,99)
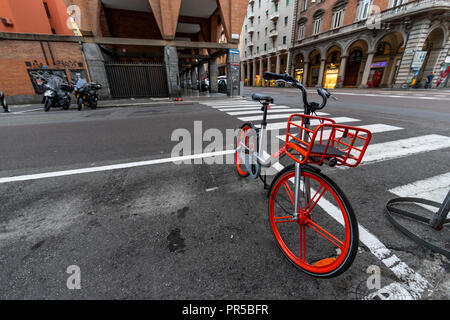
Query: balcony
(273,34)
(251,2)
(250,44)
(274,16)
(251,15)
(282,47)
(251,30)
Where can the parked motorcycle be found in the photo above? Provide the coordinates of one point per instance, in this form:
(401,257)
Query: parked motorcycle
(86,93)
(57,94)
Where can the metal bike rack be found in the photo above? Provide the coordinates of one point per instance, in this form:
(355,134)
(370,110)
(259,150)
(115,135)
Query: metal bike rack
(437,221)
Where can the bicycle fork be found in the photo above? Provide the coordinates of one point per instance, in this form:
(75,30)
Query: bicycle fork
(304,200)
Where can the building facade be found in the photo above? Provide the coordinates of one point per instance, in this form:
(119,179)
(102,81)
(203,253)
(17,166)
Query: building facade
(139,48)
(265,39)
(371,43)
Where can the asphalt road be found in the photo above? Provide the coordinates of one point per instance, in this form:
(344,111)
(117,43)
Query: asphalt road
(159,230)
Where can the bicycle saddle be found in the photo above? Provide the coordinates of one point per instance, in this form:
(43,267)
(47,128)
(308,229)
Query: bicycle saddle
(261,97)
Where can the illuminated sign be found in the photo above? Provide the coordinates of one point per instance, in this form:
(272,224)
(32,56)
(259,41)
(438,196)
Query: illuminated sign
(378,64)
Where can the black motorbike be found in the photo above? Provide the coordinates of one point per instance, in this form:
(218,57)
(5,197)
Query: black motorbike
(57,94)
(86,93)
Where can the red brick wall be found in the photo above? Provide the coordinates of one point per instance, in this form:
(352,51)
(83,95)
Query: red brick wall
(14,54)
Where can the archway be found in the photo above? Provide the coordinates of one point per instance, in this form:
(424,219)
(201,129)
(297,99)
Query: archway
(332,66)
(299,63)
(433,46)
(314,69)
(386,61)
(353,70)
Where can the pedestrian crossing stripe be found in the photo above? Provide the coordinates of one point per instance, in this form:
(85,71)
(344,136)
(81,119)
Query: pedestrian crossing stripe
(373,128)
(252,108)
(238,113)
(434,189)
(275,116)
(283,125)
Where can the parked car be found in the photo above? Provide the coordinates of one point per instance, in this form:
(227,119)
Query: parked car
(222,83)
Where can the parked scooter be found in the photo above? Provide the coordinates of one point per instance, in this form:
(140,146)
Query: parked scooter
(86,93)
(3,102)
(57,94)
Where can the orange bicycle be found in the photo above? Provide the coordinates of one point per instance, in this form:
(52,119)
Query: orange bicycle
(311,218)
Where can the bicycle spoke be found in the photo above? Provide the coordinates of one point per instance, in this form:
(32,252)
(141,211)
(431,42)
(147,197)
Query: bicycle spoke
(282,208)
(279,219)
(313,202)
(302,243)
(324,233)
(289,192)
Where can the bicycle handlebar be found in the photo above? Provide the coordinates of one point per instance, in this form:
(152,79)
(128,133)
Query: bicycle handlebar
(324,93)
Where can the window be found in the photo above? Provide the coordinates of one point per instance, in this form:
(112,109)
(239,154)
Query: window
(317,26)
(265,46)
(317,22)
(257,49)
(287,3)
(301,31)
(267,13)
(304,5)
(276,7)
(259,19)
(266,31)
(396,3)
(258,36)
(259,3)
(286,19)
(338,18)
(284,39)
(363,10)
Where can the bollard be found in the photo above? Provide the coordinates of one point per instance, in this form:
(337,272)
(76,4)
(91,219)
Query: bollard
(3,102)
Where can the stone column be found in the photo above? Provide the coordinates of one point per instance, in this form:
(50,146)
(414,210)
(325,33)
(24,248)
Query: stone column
(171,61)
(277,66)
(201,75)
(233,73)
(96,66)
(305,73)
(213,72)
(261,71)
(366,72)
(254,73)
(194,75)
(321,71)
(340,82)
(249,76)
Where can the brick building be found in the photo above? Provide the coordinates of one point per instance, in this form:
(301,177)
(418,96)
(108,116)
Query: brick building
(371,43)
(135,48)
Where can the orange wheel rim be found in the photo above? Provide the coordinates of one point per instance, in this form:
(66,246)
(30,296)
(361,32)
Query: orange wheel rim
(325,264)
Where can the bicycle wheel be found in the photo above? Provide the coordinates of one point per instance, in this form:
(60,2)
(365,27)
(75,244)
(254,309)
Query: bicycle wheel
(323,240)
(246,141)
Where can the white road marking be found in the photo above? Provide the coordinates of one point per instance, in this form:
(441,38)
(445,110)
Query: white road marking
(238,113)
(251,108)
(112,167)
(404,147)
(373,128)
(237,106)
(434,189)
(283,125)
(275,116)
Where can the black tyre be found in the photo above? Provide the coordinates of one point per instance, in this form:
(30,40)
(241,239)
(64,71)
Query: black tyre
(323,241)
(80,104)
(48,104)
